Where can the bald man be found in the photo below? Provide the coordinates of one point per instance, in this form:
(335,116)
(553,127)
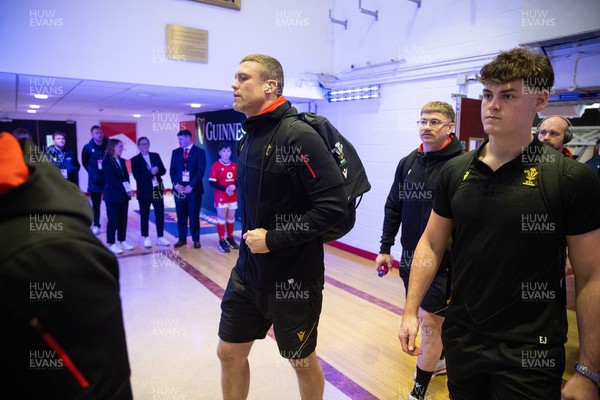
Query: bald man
(556,131)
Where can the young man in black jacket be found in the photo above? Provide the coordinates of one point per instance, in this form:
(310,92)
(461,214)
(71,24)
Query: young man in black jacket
(409,203)
(92,156)
(62,158)
(278,277)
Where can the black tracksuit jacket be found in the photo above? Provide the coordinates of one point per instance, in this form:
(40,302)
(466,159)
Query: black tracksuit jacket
(301,197)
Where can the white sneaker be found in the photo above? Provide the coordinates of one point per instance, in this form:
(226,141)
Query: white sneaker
(95,230)
(126,246)
(115,249)
(162,241)
(440,368)
(147,242)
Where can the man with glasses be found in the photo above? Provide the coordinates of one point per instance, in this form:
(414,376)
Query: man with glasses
(148,170)
(409,203)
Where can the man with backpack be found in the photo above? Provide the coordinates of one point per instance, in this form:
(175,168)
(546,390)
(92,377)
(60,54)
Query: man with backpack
(409,204)
(506,325)
(292,192)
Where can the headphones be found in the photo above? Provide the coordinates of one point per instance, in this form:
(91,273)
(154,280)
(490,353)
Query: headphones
(568,132)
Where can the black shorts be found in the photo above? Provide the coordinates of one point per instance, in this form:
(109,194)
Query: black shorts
(293,309)
(436,299)
(480,367)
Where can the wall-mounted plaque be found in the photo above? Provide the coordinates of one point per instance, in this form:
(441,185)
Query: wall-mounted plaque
(187,44)
(235,4)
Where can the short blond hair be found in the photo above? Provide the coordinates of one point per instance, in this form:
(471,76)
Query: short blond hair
(270,68)
(440,107)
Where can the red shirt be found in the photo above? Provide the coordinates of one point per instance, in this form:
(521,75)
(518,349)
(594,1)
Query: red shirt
(224,175)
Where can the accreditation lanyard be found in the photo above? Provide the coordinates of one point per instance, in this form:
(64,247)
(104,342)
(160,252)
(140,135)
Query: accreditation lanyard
(149,165)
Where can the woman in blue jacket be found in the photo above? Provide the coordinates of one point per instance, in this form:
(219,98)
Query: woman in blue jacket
(117,193)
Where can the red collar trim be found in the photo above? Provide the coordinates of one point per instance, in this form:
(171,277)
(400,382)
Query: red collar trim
(276,103)
(420,149)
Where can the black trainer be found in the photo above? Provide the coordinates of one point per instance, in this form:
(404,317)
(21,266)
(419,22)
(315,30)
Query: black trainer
(223,246)
(232,243)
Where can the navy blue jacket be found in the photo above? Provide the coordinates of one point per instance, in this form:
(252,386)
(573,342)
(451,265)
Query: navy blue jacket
(90,155)
(64,160)
(114,175)
(143,176)
(196,164)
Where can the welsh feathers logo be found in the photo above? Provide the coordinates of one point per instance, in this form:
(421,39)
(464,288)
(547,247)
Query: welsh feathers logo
(530,175)
(338,150)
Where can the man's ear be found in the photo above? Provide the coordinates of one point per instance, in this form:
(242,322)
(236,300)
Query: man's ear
(541,100)
(271,86)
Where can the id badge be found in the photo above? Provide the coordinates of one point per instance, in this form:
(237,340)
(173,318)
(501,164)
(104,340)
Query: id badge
(154,182)
(64,173)
(100,165)
(185,176)
(127,186)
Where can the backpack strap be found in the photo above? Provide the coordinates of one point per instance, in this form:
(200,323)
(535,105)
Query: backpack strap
(407,167)
(266,152)
(551,182)
(457,175)
(460,173)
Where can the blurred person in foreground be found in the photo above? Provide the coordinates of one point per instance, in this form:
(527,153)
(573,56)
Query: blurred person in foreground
(62,324)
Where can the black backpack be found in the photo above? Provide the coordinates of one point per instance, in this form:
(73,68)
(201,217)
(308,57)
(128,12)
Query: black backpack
(350,166)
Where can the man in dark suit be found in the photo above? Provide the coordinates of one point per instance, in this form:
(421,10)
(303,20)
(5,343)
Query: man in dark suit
(187,169)
(148,170)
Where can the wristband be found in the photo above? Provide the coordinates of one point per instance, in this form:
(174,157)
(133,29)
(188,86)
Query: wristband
(588,373)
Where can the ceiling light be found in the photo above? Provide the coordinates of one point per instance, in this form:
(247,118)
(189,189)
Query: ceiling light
(40,96)
(34,106)
(31,111)
(195,105)
(137,115)
(362,93)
